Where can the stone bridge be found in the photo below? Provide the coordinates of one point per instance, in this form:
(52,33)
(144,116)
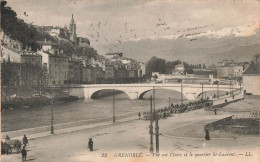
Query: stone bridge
(137,91)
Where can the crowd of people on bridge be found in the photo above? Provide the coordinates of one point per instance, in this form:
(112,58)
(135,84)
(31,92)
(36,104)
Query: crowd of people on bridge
(163,113)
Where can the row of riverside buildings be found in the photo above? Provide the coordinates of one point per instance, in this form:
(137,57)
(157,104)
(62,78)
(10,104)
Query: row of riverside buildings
(63,69)
(226,69)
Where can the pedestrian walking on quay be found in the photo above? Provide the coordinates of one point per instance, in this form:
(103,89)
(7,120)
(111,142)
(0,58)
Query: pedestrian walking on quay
(24,154)
(207,135)
(215,111)
(139,115)
(7,138)
(25,140)
(90,144)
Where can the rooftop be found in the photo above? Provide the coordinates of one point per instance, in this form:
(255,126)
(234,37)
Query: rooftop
(31,55)
(47,43)
(252,69)
(202,70)
(179,65)
(120,54)
(61,56)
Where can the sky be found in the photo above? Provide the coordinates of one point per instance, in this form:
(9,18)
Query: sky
(109,23)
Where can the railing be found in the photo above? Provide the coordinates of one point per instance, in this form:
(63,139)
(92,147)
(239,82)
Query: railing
(214,125)
(226,87)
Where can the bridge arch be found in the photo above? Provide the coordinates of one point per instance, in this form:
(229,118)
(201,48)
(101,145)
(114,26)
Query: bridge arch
(95,94)
(141,94)
(92,93)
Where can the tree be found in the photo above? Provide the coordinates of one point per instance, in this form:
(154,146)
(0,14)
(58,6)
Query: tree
(155,65)
(189,71)
(67,47)
(17,29)
(187,68)
(44,36)
(10,78)
(170,65)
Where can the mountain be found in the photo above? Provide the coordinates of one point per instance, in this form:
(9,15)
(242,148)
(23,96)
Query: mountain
(195,49)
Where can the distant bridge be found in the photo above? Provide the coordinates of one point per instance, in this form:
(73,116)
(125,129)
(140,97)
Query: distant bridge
(137,91)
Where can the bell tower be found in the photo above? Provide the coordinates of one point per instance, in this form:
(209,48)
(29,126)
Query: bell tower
(73,33)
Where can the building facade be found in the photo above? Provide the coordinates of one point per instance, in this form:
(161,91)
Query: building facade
(133,73)
(47,45)
(31,58)
(75,72)
(9,42)
(86,75)
(251,79)
(58,69)
(92,74)
(110,72)
(204,73)
(229,71)
(120,72)
(178,70)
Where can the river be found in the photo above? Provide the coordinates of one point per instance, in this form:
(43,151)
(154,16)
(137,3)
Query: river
(83,110)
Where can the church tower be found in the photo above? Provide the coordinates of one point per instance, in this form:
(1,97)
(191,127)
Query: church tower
(73,34)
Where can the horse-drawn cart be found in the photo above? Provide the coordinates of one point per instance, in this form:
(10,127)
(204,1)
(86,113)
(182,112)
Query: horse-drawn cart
(10,145)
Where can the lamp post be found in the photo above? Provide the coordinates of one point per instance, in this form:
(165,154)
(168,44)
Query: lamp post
(153,98)
(232,84)
(169,101)
(217,91)
(181,93)
(114,118)
(52,114)
(202,91)
(151,125)
(157,134)
(230,87)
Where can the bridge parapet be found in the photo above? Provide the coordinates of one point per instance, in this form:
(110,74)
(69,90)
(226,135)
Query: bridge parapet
(137,91)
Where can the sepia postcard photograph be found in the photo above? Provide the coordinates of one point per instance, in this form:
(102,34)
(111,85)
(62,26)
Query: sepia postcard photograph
(130,80)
